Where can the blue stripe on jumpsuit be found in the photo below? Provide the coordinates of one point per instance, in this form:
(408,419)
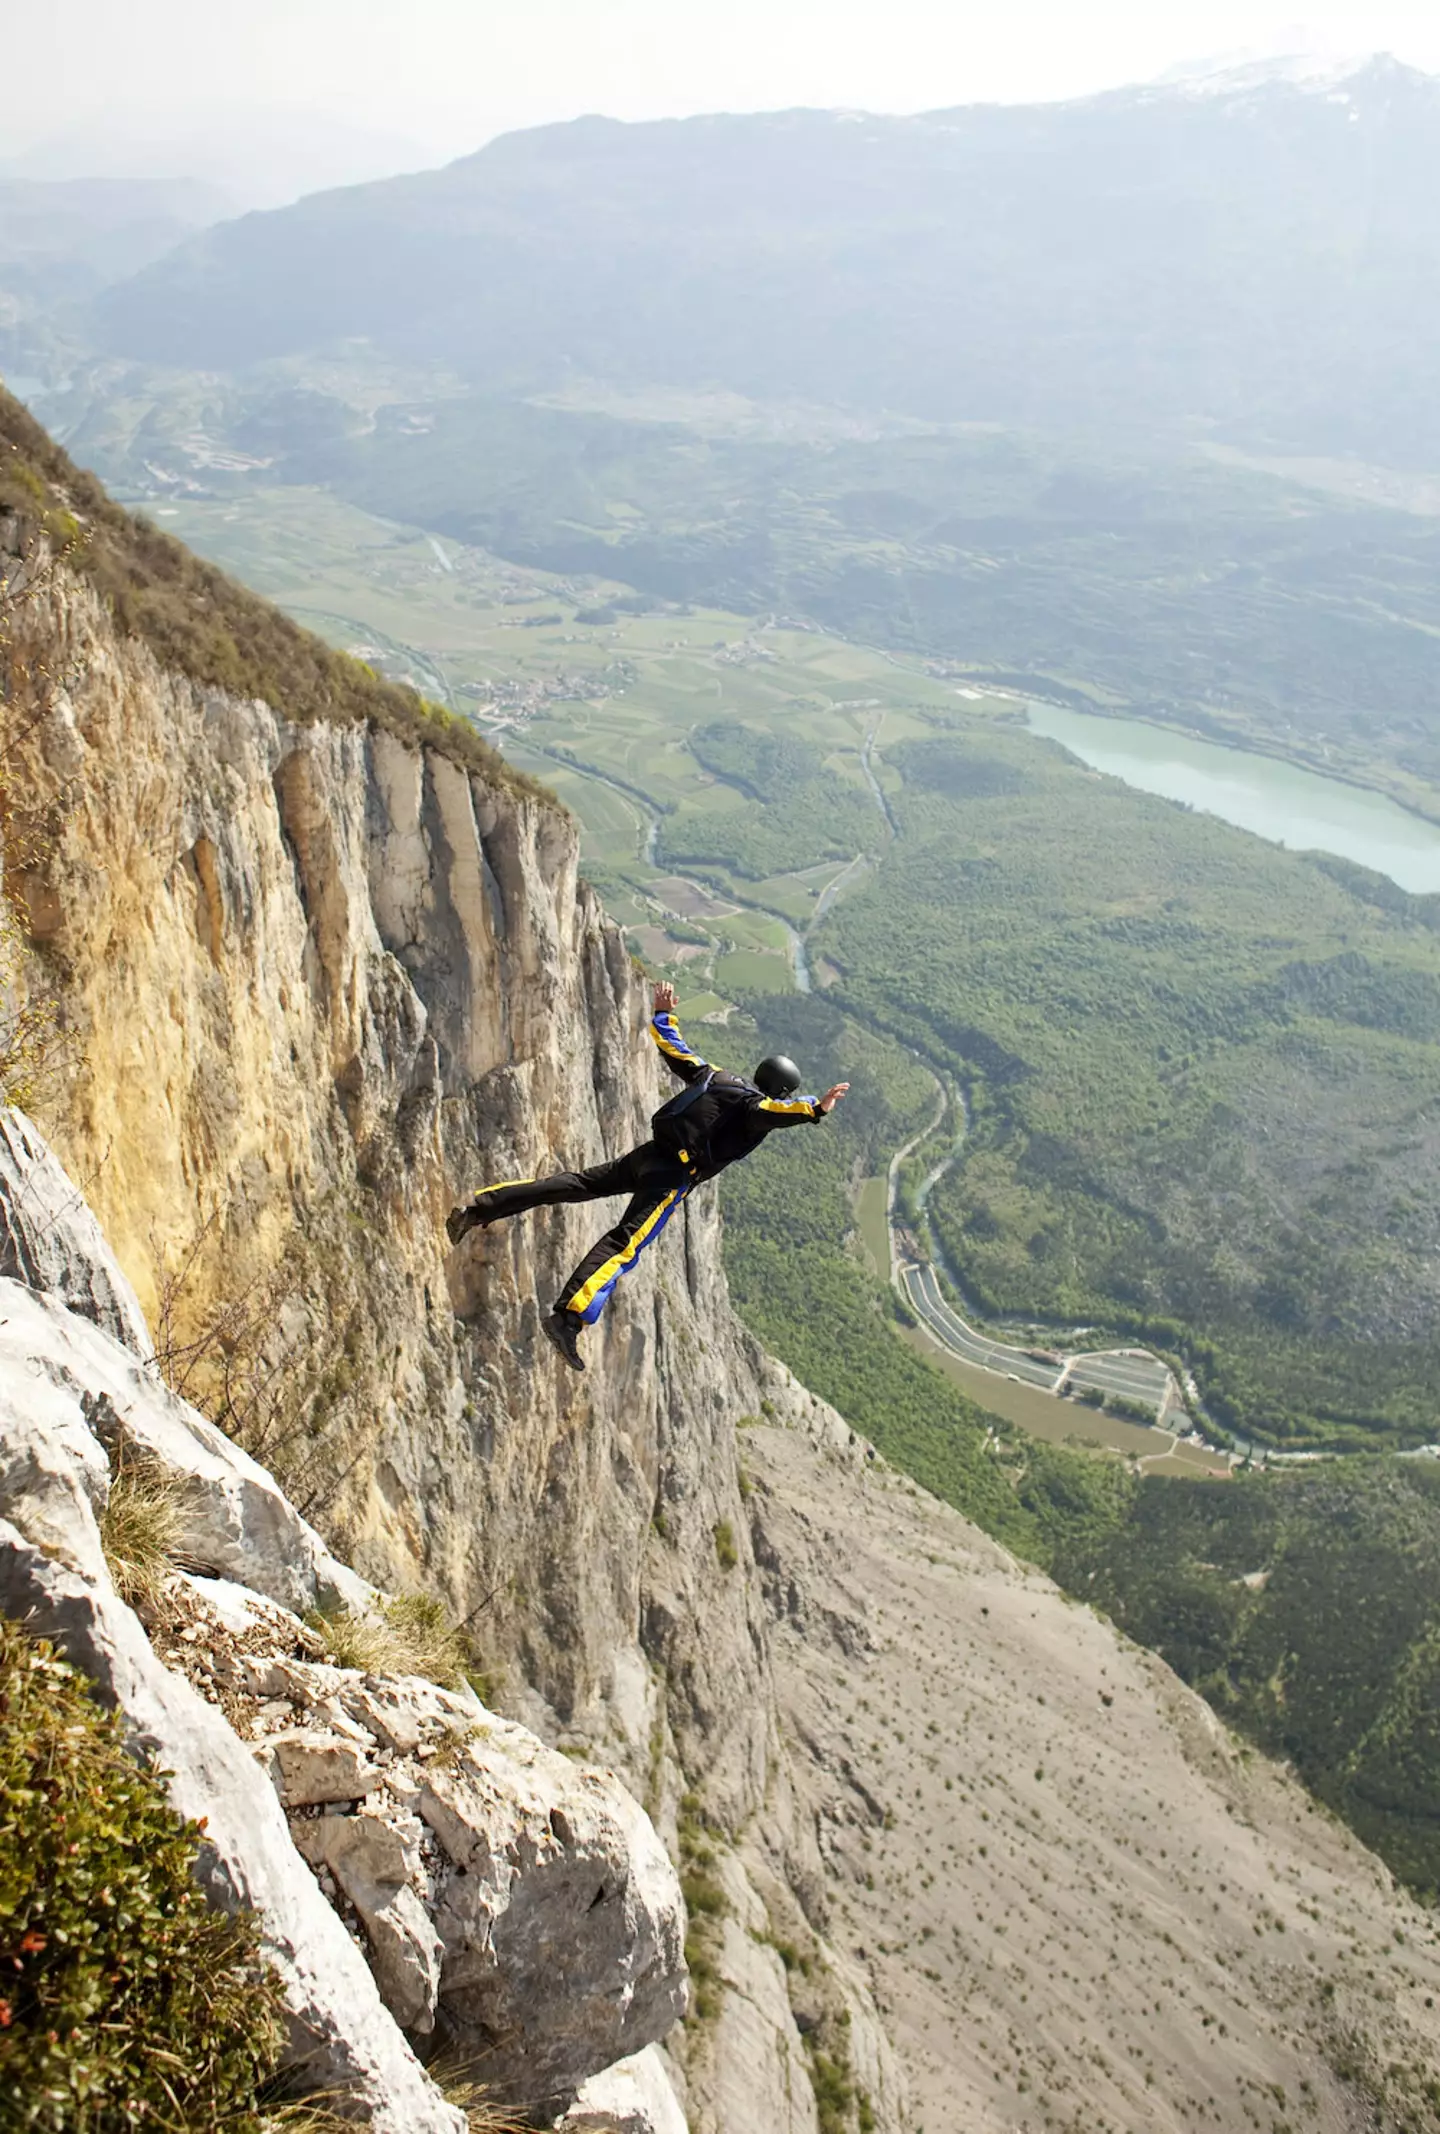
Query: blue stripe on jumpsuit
(589,1301)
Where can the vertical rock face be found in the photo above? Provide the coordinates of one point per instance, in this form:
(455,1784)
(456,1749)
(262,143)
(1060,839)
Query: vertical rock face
(50,1240)
(322,984)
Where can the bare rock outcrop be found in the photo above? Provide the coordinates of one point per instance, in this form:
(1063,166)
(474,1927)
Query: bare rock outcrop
(72,1400)
(50,1240)
(341,2038)
(633,2097)
(522,1896)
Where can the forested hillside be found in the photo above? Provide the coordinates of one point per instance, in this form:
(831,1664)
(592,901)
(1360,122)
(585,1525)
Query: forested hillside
(1303,1605)
(1204,1079)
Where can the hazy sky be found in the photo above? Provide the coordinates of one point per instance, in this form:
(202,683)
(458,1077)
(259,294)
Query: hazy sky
(446,73)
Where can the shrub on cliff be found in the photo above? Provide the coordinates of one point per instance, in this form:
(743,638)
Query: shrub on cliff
(125,2001)
(411,1636)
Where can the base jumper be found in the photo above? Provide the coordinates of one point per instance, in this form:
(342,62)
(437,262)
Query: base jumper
(713,1121)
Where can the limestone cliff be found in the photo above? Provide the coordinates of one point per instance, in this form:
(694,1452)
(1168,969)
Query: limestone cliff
(320,982)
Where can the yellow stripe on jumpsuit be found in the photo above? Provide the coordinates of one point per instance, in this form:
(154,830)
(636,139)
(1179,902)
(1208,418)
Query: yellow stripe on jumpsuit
(590,1298)
(656,1182)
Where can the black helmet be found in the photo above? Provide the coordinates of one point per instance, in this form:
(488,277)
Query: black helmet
(777,1077)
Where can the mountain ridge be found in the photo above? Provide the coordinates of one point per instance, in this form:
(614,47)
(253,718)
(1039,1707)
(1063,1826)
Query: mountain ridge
(1138,262)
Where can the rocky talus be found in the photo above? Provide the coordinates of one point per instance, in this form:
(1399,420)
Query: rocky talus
(1080,1903)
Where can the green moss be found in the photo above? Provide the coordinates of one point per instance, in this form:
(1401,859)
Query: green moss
(834,2092)
(726,1553)
(706,1906)
(124,2000)
(202,624)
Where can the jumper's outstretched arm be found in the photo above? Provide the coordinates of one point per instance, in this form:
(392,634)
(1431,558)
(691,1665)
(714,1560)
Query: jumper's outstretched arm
(681,1058)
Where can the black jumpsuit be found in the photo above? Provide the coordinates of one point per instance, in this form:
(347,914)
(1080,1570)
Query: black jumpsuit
(656,1180)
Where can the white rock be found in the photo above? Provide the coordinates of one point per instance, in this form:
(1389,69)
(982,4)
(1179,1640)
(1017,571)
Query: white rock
(632,2097)
(403,1711)
(298,1682)
(234,1518)
(242,1611)
(50,1240)
(312,1768)
(761,2067)
(340,2032)
(372,1864)
(331,1717)
(54,1474)
(562,1917)
(557,1923)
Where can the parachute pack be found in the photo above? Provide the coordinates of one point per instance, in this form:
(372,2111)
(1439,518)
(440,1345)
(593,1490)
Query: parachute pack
(683,1127)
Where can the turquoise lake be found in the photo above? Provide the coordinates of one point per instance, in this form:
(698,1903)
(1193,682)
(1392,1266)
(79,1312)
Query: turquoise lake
(1280,801)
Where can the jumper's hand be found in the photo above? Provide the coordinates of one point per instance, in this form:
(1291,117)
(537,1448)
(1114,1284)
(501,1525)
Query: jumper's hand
(665,998)
(832,1096)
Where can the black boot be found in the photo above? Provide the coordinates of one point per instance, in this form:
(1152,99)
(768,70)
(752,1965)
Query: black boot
(562,1330)
(461,1221)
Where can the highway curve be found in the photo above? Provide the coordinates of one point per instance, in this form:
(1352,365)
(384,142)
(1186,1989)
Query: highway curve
(1117,1374)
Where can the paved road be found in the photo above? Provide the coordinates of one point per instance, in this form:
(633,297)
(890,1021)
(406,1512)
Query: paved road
(1119,1374)
(921,1286)
(1131,1376)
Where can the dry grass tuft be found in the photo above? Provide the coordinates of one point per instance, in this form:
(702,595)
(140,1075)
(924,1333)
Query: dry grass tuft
(414,1636)
(140,1531)
(305,2115)
(461,2086)
(313,2115)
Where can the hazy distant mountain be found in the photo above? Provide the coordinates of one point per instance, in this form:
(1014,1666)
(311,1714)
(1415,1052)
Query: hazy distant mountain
(64,240)
(1223,72)
(258,156)
(1254,253)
